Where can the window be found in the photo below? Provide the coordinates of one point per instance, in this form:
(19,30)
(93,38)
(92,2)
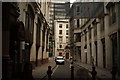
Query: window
(95,30)
(78,38)
(89,32)
(66,32)
(104,53)
(85,35)
(75,23)
(60,39)
(77,8)
(60,53)
(60,46)
(66,39)
(66,25)
(38,32)
(78,23)
(102,24)
(60,25)
(60,31)
(30,21)
(112,14)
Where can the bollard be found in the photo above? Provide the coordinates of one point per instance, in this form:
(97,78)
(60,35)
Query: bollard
(114,72)
(49,72)
(72,72)
(94,73)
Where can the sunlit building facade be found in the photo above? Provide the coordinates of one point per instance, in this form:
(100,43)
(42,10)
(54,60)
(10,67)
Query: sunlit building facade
(61,37)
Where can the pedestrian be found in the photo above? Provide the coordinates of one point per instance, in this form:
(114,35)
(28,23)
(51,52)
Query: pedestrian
(94,73)
(71,63)
(49,72)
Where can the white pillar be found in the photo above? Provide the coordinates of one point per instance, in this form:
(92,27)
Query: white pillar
(40,48)
(88,49)
(108,44)
(99,46)
(45,53)
(33,48)
(82,48)
(93,44)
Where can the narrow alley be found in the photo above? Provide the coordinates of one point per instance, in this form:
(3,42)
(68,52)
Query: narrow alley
(60,39)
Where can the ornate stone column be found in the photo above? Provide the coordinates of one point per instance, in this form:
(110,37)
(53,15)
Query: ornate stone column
(99,46)
(93,44)
(88,48)
(45,53)
(40,54)
(108,41)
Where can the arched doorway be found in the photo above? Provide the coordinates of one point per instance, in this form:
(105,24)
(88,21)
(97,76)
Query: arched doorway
(67,56)
(37,39)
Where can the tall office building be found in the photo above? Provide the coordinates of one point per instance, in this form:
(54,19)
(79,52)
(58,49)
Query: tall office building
(57,10)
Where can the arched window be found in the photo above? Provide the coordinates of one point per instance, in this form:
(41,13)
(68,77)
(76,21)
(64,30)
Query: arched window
(29,23)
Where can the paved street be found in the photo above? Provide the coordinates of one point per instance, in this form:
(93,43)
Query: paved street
(38,34)
(61,72)
(40,71)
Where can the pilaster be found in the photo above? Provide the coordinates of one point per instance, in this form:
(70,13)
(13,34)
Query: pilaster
(93,44)
(88,49)
(45,46)
(40,54)
(99,46)
(108,44)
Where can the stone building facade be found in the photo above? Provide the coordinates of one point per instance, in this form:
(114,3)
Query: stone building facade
(61,37)
(96,40)
(25,38)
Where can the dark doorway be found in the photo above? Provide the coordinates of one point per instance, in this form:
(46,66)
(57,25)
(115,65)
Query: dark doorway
(86,58)
(37,56)
(85,51)
(67,55)
(96,53)
(114,52)
(80,53)
(90,54)
(104,53)
(37,39)
(60,54)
